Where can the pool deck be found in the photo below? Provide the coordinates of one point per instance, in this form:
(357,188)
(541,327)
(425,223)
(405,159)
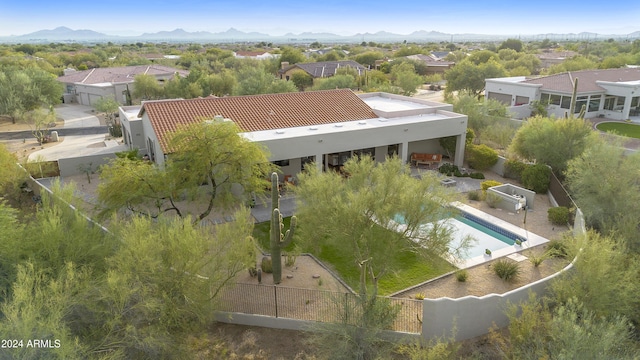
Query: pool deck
(532,239)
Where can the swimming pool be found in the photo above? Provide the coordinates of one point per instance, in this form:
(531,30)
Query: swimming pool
(483,231)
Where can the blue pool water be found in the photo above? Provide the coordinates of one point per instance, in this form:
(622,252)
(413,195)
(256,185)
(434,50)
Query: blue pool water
(484,234)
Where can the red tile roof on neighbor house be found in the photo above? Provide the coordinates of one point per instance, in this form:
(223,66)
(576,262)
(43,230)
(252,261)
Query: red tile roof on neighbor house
(125,74)
(259,112)
(586,79)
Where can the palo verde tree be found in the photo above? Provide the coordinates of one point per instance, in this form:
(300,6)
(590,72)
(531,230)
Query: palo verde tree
(552,141)
(25,89)
(357,217)
(603,180)
(210,166)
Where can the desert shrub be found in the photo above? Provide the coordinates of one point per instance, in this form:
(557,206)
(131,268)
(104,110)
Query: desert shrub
(289,259)
(506,270)
(492,199)
(513,169)
(448,168)
(266,265)
(557,248)
(419,296)
(558,215)
(489,183)
(462,275)
(537,260)
(476,175)
(474,195)
(536,178)
(481,157)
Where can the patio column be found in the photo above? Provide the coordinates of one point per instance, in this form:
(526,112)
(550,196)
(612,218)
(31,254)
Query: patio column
(460,142)
(404,152)
(319,158)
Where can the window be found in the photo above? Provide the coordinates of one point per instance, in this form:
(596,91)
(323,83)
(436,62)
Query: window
(614,103)
(282,163)
(566,102)
(580,102)
(555,99)
(522,100)
(594,104)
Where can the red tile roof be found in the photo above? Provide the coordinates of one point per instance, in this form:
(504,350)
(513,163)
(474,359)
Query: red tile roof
(125,74)
(259,112)
(586,79)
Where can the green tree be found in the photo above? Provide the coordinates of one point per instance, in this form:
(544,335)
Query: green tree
(11,176)
(603,278)
(26,89)
(302,79)
(405,77)
(291,55)
(369,58)
(37,309)
(470,77)
(255,80)
(335,82)
(513,44)
(211,153)
(603,182)
(109,106)
(146,87)
(552,141)
(568,331)
(162,285)
(355,217)
(348,216)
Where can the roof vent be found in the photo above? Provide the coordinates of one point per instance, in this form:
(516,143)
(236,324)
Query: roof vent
(313,128)
(362,122)
(338,125)
(280,132)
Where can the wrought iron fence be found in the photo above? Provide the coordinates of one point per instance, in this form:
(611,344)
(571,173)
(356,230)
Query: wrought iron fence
(313,305)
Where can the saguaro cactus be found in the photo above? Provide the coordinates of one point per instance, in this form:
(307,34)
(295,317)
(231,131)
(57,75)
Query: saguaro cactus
(278,240)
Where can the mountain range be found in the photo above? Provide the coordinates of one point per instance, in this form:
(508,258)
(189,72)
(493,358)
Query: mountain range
(65,34)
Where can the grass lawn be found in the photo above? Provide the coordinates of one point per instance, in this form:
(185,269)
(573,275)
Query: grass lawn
(411,269)
(622,129)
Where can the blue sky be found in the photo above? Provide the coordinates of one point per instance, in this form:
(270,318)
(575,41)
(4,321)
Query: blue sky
(121,17)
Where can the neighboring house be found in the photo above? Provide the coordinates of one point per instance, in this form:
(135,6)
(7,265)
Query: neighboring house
(550,57)
(434,64)
(257,55)
(321,69)
(87,86)
(327,127)
(609,93)
(440,55)
(321,52)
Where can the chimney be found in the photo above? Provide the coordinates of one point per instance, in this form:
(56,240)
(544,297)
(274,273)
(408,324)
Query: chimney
(284,64)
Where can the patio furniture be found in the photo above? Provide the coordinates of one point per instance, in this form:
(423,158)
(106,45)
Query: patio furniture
(425,159)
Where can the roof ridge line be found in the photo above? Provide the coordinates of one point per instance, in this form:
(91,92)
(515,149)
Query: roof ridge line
(89,74)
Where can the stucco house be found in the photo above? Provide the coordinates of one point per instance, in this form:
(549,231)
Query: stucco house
(87,86)
(608,93)
(327,127)
(321,69)
(434,64)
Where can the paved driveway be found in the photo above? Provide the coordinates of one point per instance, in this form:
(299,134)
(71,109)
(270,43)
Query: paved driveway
(76,116)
